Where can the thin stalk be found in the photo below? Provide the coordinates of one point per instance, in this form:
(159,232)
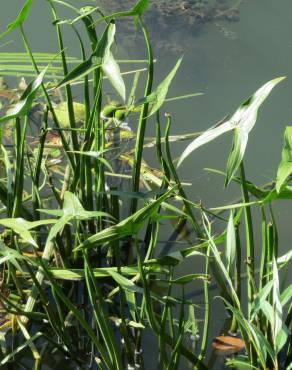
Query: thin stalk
(70,102)
(251,289)
(237,282)
(163,358)
(66,147)
(249,241)
(182,193)
(205,337)
(20,136)
(37,170)
(175,356)
(100,315)
(142,122)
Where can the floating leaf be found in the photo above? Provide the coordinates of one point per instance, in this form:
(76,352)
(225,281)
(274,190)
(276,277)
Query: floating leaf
(243,120)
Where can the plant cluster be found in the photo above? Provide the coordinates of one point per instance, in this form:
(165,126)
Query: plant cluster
(81,276)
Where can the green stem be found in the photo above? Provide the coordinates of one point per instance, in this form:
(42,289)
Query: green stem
(142,122)
(249,241)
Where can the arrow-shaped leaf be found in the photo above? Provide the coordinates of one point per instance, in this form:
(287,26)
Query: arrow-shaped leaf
(23,107)
(22,16)
(285,167)
(96,58)
(243,120)
(158,96)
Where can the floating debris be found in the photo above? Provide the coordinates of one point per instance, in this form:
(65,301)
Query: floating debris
(228,344)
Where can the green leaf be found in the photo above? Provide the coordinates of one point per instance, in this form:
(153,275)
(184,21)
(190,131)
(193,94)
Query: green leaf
(243,119)
(241,363)
(79,274)
(140,7)
(125,283)
(22,16)
(240,140)
(73,209)
(20,348)
(23,106)
(189,278)
(128,227)
(260,298)
(286,295)
(281,338)
(285,167)
(230,248)
(283,260)
(158,96)
(278,311)
(112,71)
(97,58)
(62,114)
(22,227)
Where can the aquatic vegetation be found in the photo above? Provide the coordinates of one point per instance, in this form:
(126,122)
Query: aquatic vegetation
(83,274)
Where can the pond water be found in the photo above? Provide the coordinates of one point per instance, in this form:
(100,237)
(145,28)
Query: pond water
(226,61)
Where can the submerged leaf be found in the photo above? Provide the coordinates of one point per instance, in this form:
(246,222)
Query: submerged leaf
(62,114)
(243,119)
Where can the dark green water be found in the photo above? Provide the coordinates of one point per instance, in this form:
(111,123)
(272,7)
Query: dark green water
(227,61)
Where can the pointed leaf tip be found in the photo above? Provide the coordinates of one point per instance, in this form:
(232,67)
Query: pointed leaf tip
(243,119)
